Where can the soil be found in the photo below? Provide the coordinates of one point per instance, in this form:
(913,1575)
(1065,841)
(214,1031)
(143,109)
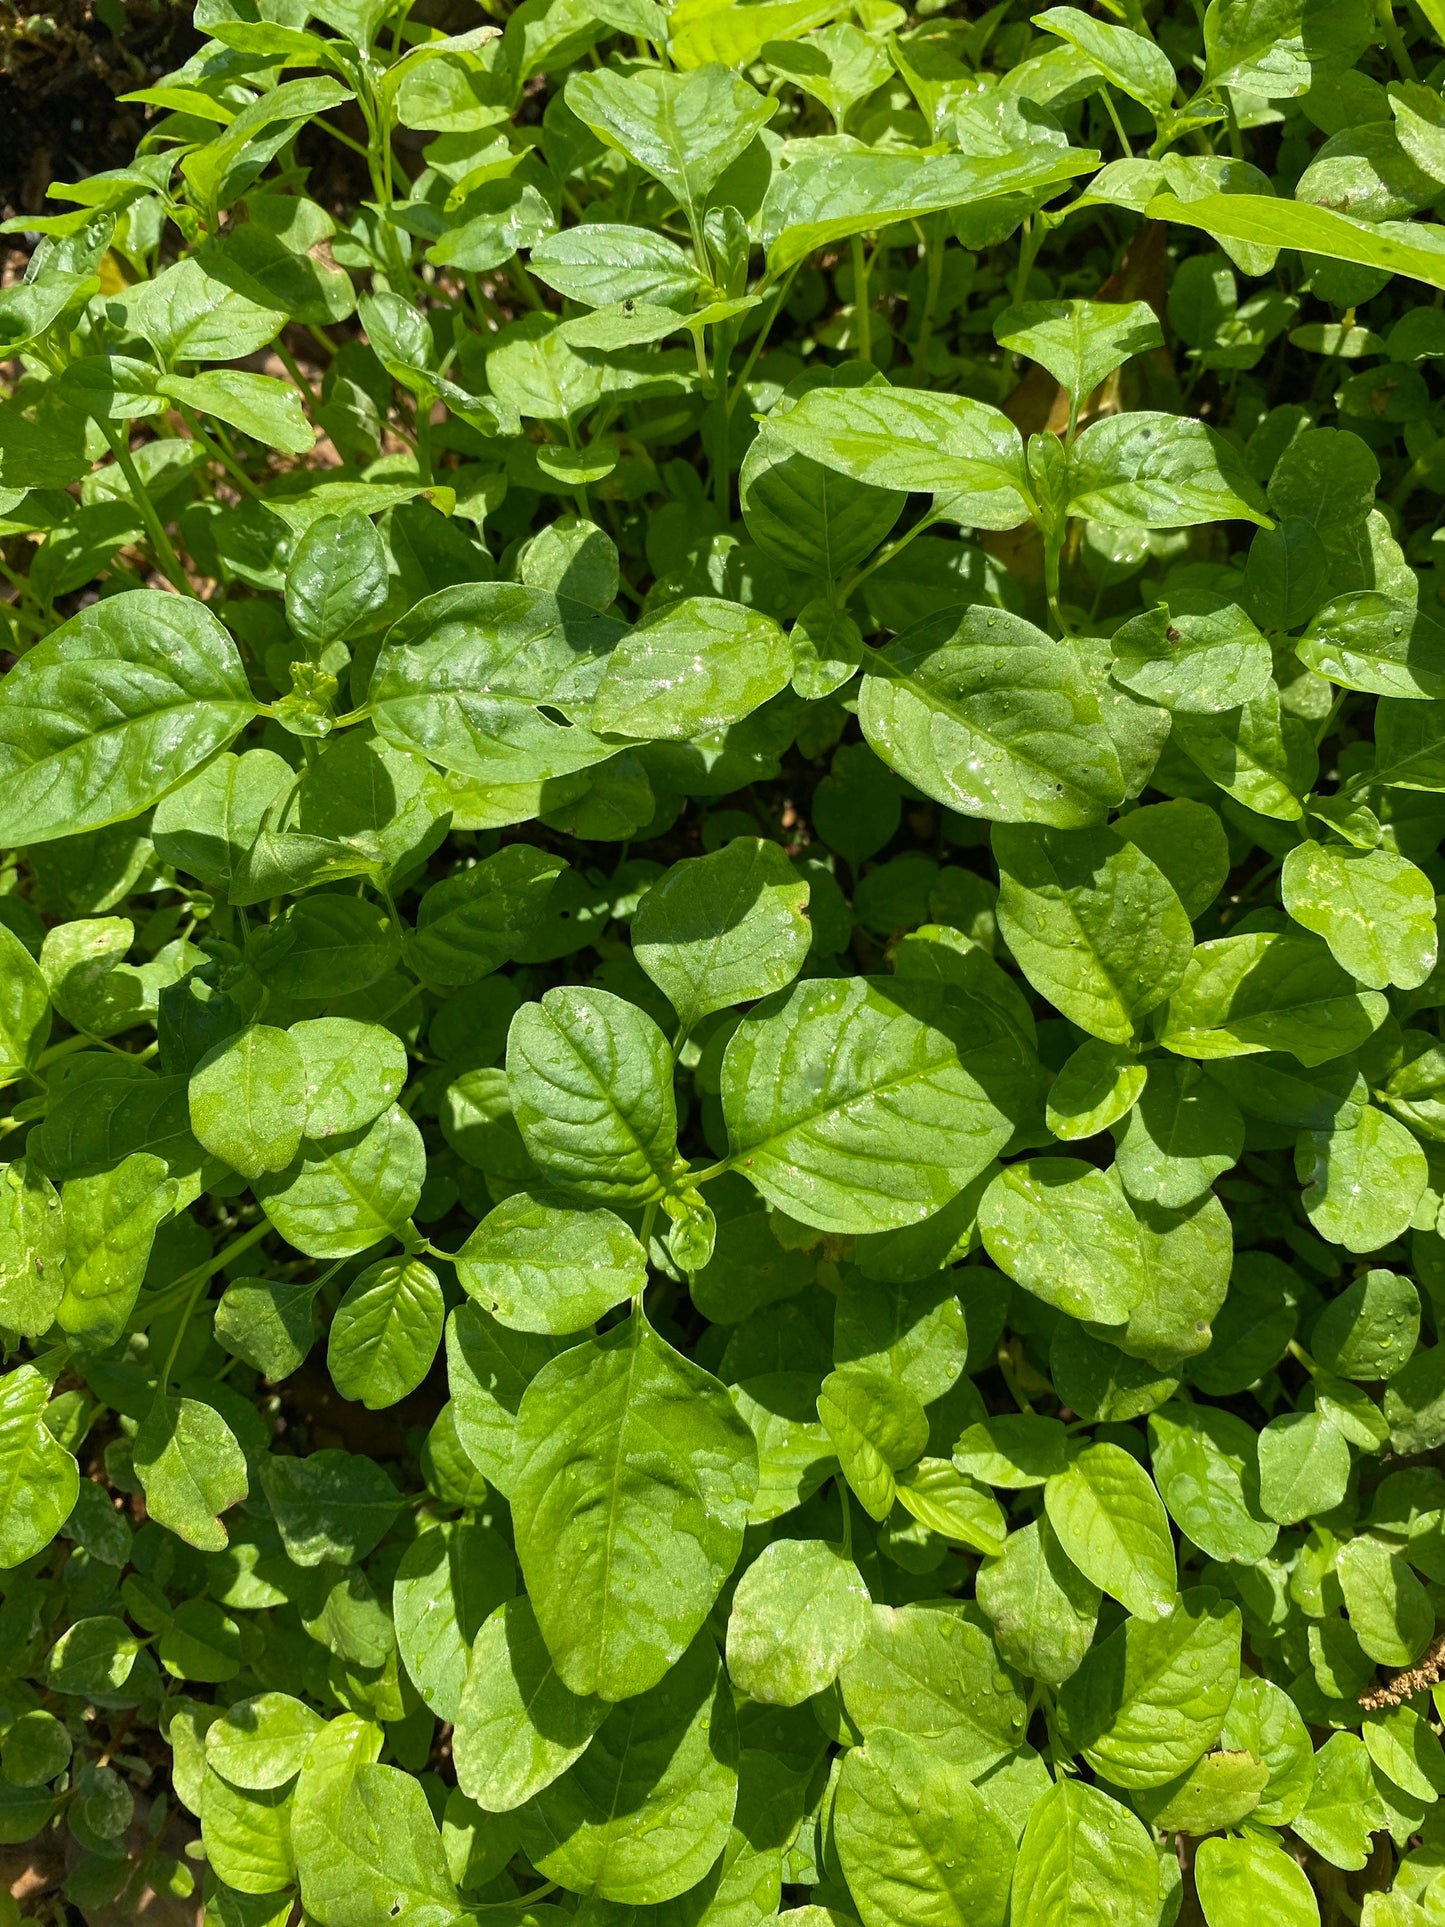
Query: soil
(61,70)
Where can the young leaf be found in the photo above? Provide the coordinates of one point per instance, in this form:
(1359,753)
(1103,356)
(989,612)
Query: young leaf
(386,1332)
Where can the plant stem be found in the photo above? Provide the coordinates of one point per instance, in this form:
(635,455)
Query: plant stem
(155,528)
(862,314)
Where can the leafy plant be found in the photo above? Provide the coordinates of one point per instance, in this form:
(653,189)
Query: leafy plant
(733,773)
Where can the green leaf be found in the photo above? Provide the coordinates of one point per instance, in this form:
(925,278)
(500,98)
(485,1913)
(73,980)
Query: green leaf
(695,667)
(24,1007)
(898,1817)
(860,1104)
(723,929)
(1377,643)
(1066,1232)
(909,439)
(113,709)
(798,1614)
(466,676)
(470,923)
(1187,841)
(1205,1466)
(330,1506)
(621,1582)
(110,1224)
(1250,1879)
(207,824)
(1184,1133)
(248,1100)
(825,197)
(450,1580)
(645,1811)
(541,1266)
(32,1249)
(336,580)
(489,1367)
(353,1071)
(1097,1085)
(952,1505)
(1094,925)
(1405,1749)
(518,1728)
(1112,1525)
(345,1194)
(386,1332)
(877,1427)
(591,1083)
(1134,64)
(260,1743)
(1083,1860)
(1264,1722)
(1043,1609)
(683,129)
(988,716)
(1370,1330)
(1336,1818)
(1375,910)
(191,1469)
(1268,991)
(247,1836)
(379,1855)
(1080,342)
(1142,470)
(1261,219)
(39,1480)
(1219,1790)
(1362,1182)
(1193,664)
(1304,1466)
(1151,1698)
(259,405)
(931,1672)
(805,514)
(1390,1611)
(1257,754)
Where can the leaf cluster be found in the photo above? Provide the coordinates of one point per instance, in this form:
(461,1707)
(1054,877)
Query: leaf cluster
(720,1005)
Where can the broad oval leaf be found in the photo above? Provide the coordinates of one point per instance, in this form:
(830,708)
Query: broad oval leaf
(630,1484)
(860,1104)
(117,706)
(989,717)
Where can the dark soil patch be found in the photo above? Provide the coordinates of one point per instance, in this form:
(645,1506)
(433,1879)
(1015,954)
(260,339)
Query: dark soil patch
(61,70)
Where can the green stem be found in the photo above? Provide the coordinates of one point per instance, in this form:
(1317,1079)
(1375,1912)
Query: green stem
(1053,549)
(194,1280)
(1112,111)
(155,528)
(842,1485)
(933,248)
(218,453)
(289,363)
(760,339)
(862,313)
(1394,39)
(886,554)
